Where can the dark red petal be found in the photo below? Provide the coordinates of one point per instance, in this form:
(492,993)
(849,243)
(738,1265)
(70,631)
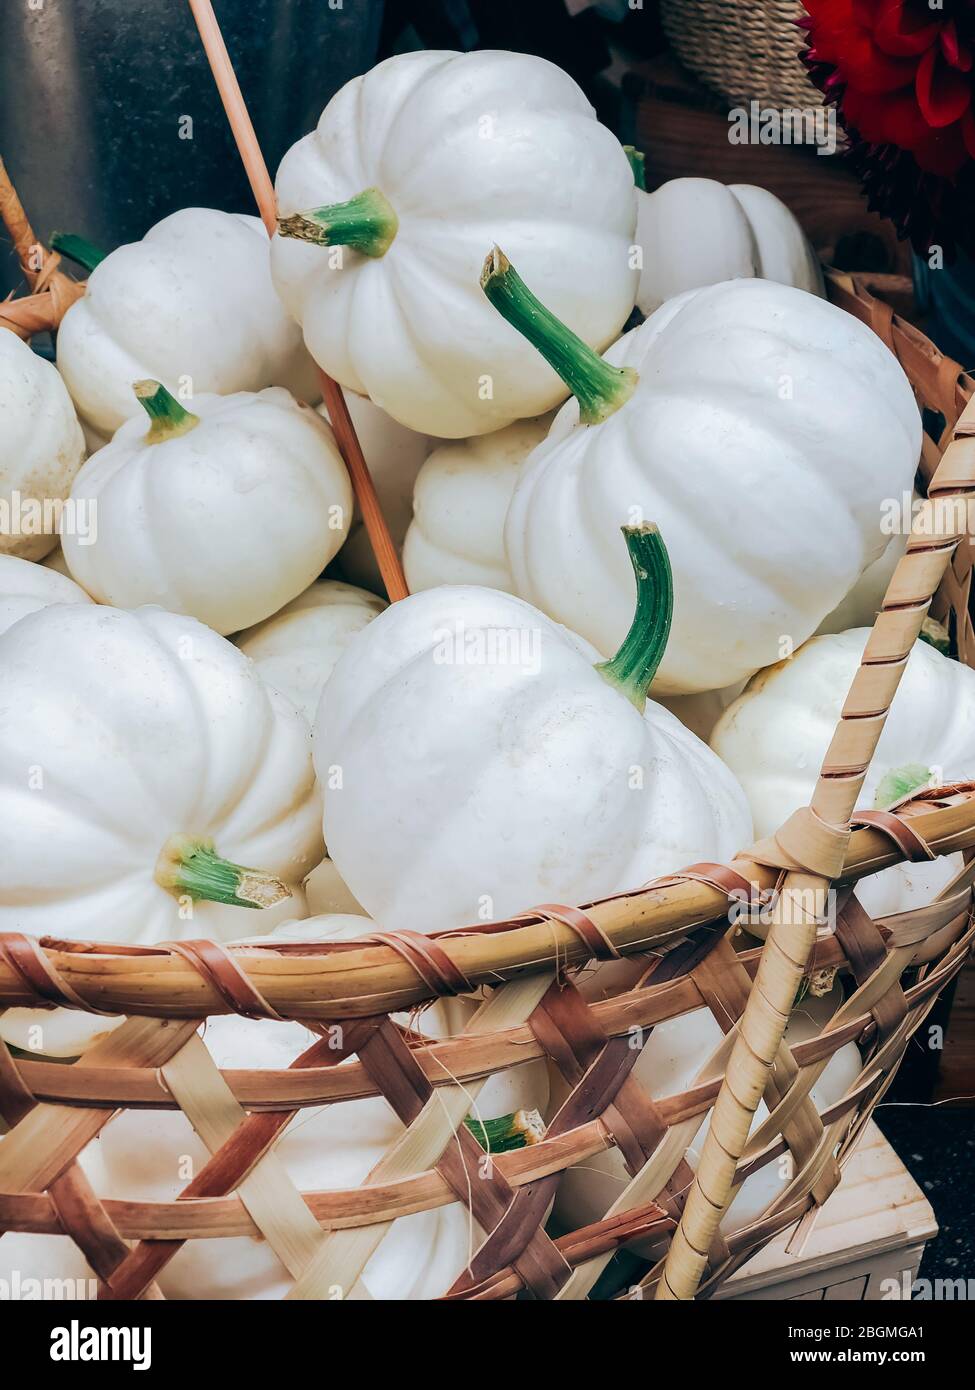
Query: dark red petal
(943,94)
(890,120)
(942,152)
(955,52)
(861,62)
(902,32)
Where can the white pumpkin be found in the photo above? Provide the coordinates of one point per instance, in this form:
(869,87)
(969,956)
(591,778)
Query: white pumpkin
(296,650)
(41,449)
(327,892)
(696,232)
(225,513)
(393,455)
(414,170)
(145,1154)
(25,587)
(862,604)
(760,427)
(192,302)
(142,761)
(775,736)
(702,711)
(670,1060)
(459,505)
(512,771)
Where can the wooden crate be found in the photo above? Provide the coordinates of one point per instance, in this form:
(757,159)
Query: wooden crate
(872,1229)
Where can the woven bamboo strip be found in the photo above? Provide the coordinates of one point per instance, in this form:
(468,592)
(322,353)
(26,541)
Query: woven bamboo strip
(262,188)
(819,845)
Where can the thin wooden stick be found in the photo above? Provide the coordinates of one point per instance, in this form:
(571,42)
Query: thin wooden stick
(18,227)
(813,844)
(263,189)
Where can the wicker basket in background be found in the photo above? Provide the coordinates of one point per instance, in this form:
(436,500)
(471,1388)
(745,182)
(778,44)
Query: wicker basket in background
(745,50)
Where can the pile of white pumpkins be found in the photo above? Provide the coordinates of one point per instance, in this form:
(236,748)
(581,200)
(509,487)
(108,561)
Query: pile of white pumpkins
(183,698)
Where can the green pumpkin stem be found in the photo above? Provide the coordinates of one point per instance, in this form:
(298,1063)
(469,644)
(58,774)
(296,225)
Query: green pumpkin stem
(189,867)
(638,164)
(167,417)
(599,388)
(508,1132)
(367,223)
(634,666)
(78,249)
(900,782)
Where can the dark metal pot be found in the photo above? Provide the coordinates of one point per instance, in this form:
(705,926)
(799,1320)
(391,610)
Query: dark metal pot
(93,94)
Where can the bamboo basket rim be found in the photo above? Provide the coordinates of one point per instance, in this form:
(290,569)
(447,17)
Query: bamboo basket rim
(331,981)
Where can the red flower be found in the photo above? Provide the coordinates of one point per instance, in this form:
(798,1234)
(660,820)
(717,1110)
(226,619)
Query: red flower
(900,74)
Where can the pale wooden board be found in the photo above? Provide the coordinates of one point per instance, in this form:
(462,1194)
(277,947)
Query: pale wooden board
(878,1206)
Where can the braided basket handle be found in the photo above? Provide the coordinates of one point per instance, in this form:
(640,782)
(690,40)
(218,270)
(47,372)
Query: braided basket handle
(811,846)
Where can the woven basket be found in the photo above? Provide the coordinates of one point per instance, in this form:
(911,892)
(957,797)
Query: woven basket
(746,50)
(681,949)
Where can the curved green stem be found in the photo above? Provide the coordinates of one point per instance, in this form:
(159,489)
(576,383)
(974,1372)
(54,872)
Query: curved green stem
(167,417)
(367,223)
(637,163)
(77,248)
(900,782)
(599,388)
(188,867)
(507,1132)
(634,666)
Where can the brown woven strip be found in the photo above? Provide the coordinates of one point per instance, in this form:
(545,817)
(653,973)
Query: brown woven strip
(909,841)
(16,1097)
(219,969)
(27,960)
(430,961)
(85,1220)
(864,946)
(725,880)
(591,935)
